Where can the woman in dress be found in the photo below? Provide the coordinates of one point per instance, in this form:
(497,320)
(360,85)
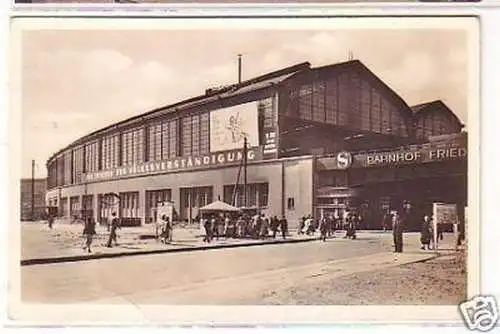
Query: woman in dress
(426,233)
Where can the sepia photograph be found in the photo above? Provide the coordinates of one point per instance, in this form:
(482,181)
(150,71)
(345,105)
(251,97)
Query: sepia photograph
(224,162)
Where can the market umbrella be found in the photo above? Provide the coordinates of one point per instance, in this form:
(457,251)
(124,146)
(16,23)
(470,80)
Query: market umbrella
(219,206)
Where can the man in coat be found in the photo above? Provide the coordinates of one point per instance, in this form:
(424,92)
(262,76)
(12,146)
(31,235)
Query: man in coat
(397,231)
(115,224)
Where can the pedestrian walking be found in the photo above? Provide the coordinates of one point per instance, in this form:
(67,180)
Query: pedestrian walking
(440,230)
(227,223)
(88,233)
(386,221)
(274,226)
(397,231)
(50,220)
(426,233)
(215,227)
(351,226)
(283,226)
(323,228)
(264,228)
(461,235)
(207,225)
(167,229)
(309,225)
(115,224)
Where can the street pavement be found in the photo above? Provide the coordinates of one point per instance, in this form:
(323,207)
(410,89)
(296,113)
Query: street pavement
(222,276)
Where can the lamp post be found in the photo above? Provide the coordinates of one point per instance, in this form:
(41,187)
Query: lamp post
(33,190)
(245,172)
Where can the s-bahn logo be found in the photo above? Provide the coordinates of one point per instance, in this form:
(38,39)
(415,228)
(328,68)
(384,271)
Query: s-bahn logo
(344,160)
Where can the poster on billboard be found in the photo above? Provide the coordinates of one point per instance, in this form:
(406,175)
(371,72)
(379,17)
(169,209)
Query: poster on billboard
(443,213)
(167,209)
(229,127)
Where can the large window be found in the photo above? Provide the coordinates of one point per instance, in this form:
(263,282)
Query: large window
(386,118)
(68,163)
(133,147)
(92,157)
(153,198)
(332,101)
(110,151)
(376,112)
(74,203)
(257,195)
(344,96)
(77,164)
(347,100)
(186,136)
(173,144)
(204,133)
(305,102)
(196,197)
(129,203)
(195,135)
(52,174)
(60,171)
(366,105)
(268,112)
(155,134)
(318,102)
(64,207)
(162,140)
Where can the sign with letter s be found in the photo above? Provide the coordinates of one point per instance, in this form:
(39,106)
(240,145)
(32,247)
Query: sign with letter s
(344,160)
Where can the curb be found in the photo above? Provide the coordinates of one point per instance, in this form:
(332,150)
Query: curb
(77,258)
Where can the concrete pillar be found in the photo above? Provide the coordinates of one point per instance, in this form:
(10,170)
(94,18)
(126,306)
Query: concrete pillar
(218,191)
(68,207)
(96,207)
(142,206)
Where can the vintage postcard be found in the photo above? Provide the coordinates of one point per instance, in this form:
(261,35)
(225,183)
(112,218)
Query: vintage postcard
(193,171)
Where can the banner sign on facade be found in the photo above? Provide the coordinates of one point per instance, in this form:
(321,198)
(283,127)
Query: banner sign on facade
(270,144)
(220,159)
(411,156)
(430,152)
(229,127)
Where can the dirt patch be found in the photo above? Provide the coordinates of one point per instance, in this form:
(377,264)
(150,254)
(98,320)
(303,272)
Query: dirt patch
(441,281)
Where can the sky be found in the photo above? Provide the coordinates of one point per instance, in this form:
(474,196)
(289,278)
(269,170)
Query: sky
(77,81)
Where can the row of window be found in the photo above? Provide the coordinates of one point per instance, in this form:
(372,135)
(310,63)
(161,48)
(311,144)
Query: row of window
(196,197)
(434,124)
(348,101)
(129,148)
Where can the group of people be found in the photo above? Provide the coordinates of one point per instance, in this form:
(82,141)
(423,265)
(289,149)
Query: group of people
(242,226)
(89,232)
(260,227)
(166,229)
(328,224)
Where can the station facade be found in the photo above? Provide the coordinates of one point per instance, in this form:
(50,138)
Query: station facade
(320,140)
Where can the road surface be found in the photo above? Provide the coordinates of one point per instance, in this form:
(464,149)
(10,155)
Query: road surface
(204,277)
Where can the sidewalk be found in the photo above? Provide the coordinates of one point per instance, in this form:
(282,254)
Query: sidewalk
(65,242)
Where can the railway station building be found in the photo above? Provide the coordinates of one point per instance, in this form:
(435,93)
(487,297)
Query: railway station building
(320,141)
